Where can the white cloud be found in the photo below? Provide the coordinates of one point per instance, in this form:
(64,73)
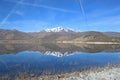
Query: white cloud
(20,13)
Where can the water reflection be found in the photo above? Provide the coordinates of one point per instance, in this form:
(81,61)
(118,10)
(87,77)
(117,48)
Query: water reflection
(49,59)
(70,48)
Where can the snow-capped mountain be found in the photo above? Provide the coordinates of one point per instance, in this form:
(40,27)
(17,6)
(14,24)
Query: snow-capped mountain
(59,29)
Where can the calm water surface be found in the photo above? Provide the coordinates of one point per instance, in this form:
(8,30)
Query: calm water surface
(53,62)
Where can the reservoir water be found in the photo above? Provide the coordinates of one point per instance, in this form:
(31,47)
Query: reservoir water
(38,60)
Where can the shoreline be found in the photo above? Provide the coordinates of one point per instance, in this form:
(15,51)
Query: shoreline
(55,42)
(104,73)
(110,72)
(87,42)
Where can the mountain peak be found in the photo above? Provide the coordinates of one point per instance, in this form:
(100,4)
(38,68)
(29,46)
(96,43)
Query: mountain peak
(59,29)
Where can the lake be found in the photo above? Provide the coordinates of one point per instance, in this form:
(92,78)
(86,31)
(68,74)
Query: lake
(50,59)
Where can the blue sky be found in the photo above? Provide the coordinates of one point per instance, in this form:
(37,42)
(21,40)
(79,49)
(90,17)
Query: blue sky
(82,15)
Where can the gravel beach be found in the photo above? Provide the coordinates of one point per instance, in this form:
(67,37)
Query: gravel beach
(107,73)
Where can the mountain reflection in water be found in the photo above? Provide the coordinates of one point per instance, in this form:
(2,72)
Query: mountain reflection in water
(70,48)
(47,59)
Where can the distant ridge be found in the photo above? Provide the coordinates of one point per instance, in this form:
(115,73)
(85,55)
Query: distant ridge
(60,34)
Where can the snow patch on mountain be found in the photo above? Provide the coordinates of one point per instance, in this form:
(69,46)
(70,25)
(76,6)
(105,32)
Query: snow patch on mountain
(59,29)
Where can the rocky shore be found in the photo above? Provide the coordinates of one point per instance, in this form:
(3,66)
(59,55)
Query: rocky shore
(104,73)
(107,73)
